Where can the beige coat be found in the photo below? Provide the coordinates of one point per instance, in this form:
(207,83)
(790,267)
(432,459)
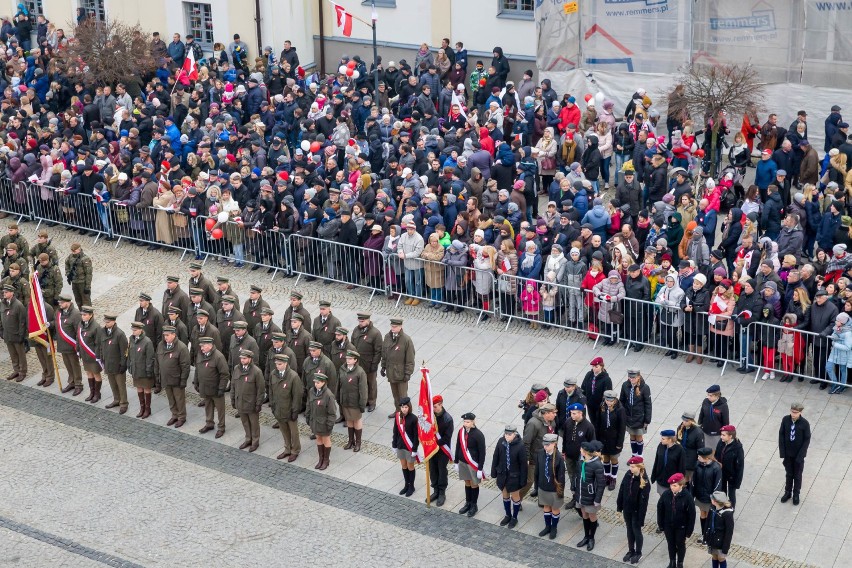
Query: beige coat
(162,221)
(434,269)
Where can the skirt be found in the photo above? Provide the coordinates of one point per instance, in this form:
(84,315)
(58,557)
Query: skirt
(590,509)
(92,367)
(404,454)
(703,507)
(143,383)
(717,552)
(467,473)
(351,414)
(636,431)
(550,499)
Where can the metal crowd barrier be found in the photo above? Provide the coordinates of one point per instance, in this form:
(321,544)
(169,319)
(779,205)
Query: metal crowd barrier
(356,267)
(240,244)
(788,351)
(153,225)
(79,211)
(14,199)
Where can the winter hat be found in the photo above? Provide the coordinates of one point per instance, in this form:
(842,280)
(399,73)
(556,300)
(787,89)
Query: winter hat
(541,396)
(701,278)
(613,274)
(720,271)
(668,198)
(479,233)
(575,250)
(513,207)
(501,193)
(838,249)
(842,318)
(458,245)
(799,197)
(698,232)
(710,183)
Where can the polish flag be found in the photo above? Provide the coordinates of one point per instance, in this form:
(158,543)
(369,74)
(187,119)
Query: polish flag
(342,20)
(189,71)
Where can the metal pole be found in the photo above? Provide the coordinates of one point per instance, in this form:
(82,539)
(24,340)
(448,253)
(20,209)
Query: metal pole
(375,58)
(258,27)
(321,38)
(428,495)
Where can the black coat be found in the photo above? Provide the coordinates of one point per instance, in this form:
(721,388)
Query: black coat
(475,447)
(444,426)
(676,511)
(676,464)
(563,401)
(695,322)
(713,416)
(595,396)
(411,429)
(589,490)
(510,476)
(632,499)
(797,448)
(556,469)
(573,436)
(691,441)
(637,406)
(610,428)
(706,480)
(720,529)
(732,459)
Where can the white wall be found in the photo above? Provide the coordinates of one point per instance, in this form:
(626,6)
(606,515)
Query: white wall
(477,25)
(291,20)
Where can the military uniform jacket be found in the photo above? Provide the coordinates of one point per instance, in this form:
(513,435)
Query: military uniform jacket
(251,311)
(14,320)
(610,428)
(180,329)
(225,324)
(288,315)
(368,342)
(323,331)
(204,305)
(248,388)
(113,350)
(90,335)
(218,300)
(23,262)
(209,330)
(298,343)
(172,364)
(320,411)
(78,269)
(534,433)
(352,389)
(410,428)
(153,320)
(398,357)
(66,328)
(141,357)
(22,288)
(338,352)
(179,299)
(509,468)
(732,459)
(270,364)
(322,365)
(444,433)
(46,248)
(244,342)
(50,279)
(637,406)
(285,393)
(19,240)
(211,374)
(691,441)
(211,294)
(263,336)
(563,401)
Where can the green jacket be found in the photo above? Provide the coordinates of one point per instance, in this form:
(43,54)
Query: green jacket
(78,269)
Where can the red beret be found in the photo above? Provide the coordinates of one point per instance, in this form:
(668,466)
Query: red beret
(231,158)
(676,478)
(667,256)
(596,361)
(541,396)
(437,399)
(165,165)
(284,175)
(635,460)
(728,428)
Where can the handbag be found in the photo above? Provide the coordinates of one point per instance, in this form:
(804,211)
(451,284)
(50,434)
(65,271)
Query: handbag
(121,215)
(548,163)
(615,316)
(503,285)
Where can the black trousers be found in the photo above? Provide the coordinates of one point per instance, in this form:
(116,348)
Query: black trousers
(728,487)
(634,532)
(438,470)
(793,470)
(676,539)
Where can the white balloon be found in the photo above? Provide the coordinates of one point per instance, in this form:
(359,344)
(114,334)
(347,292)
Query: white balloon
(599,99)
(222,217)
(355,74)
(342,69)
(306,145)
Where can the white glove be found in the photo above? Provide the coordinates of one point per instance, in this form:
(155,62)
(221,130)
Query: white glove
(480,475)
(456,467)
(414,454)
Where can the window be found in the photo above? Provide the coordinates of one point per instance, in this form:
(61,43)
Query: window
(522,9)
(380,3)
(94,9)
(34,7)
(199,23)
(826,39)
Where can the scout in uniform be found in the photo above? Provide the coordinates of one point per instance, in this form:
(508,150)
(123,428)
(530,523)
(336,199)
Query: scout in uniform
(253,306)
(43,246)
(470,462)
(691,439)
(405,441)
(320,413)
(438,463)
(352,397)
(67,320)
(175,297)
(632,503)
(636,400)
(324,326)
(340,347)
(262,333)
(720,529)
(612,423)
(367,340)
(78,273)
(794,437)
(247,390)
(50,279)
(224,289)
(397,361)
(48,371)
(298,340)
(198,303)
(676,518)
(588,485)
(509,469)
(211,380)
(706,480)
(575,432)
(242,340)
(114,357)
(731,456)
(172,367)
(225,318)
(141,358)
(89,350)
(197,280)
(15,328)
(550,473)
(296,307)
(173,318)
(670,459)
(285,399)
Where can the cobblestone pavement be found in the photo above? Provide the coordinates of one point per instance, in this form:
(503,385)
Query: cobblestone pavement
(483,369)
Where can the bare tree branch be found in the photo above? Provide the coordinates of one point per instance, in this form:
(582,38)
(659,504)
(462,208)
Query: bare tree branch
(105,53)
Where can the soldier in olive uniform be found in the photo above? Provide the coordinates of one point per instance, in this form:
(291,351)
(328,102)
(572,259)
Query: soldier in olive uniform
(367,341)
(173,315)
(197,280)
(172,366)
(318,362)
(89,350)
(253,306)
(43,246)
(262,333)
(324,326)
(352,396)
(50,278)
(14,236)
(141,359)
(211,380)
(197,303)
(225,318)
(114,357)
(320,413)
(14,256)
(247,390)
(19,283)
(298,339)
(340,346)
(203,328)
(45,359)
(224,289)
(67,320)
(242,340)
(15,328)
(296,307)
(285,398)
(397,361)
(78,273)
(154,321)
(278,347)
(174,296)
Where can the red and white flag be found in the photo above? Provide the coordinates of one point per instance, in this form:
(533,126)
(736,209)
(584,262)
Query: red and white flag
(189,71)
(426,417)
(37,316)
(342,20)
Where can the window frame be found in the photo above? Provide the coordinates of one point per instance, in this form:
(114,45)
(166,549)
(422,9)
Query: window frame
(380,3)
(36,7)
(96,6)
(198,38)
(516,13)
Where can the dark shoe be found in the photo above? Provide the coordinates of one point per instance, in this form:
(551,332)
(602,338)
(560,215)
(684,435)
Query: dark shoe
(447,309)
(282,455)
(371,407)
(404,489)
(441,500)
(206,428)
(68,388)
(157,389)
(512,524)
(171,421)
(434,495)
(582,543)
(180,423)
(245,444)
(255,267)
(340,420)
(673,355)
(590,547)
(610,484)
(77,391)
(473,510)
(465,508)
(459,310)
(553,534)
(636,558)
(292,458)
(41,383)
(276,426)
(220,433)
(392,415)
(505,521)
(410,490)
(122,410)
(785,497)
(720,363)
(743,370)
(534,493)
(668,353)
(628,556)
(638,348)
(823,386)
(313,436)
(113,404)
(545,531)
(795,499)
(202,404)
(814,381)
(253,447)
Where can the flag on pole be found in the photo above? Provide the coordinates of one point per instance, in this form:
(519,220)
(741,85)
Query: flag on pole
(189,71)
(342,20)
(37,316)
(426,418)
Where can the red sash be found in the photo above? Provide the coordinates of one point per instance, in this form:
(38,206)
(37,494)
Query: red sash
(466,454)
(400,427)
(444,447)
(65,337)
(88,350)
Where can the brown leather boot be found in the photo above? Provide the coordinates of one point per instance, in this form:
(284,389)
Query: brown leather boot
(91,390)
(698,358)
(97,396)
(325,462)
(321,454)
(157,388)
(141,404)
(147,405)
(690,357)
(351,443)
(357,447)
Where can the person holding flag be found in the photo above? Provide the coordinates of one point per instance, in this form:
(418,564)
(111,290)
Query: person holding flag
(406,443)
(40,316)
(438,463)
(509,468)
(89,349)
(67,321)
(470,459)
(13,318)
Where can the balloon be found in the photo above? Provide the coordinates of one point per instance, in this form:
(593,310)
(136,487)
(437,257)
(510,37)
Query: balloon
(588,97)
(350,72)
(315,147)
(355,74)
(305,145)
(352,64)
(599,99)
(209,224)
(222,217)
(699,153)
(216,234)
(342,69)
(482,82)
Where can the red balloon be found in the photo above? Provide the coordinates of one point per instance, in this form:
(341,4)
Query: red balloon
(350,72)
(588,97)
(482,82)
(216,234)
(209,224)
(351,64)
(315,147)
(699,153)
